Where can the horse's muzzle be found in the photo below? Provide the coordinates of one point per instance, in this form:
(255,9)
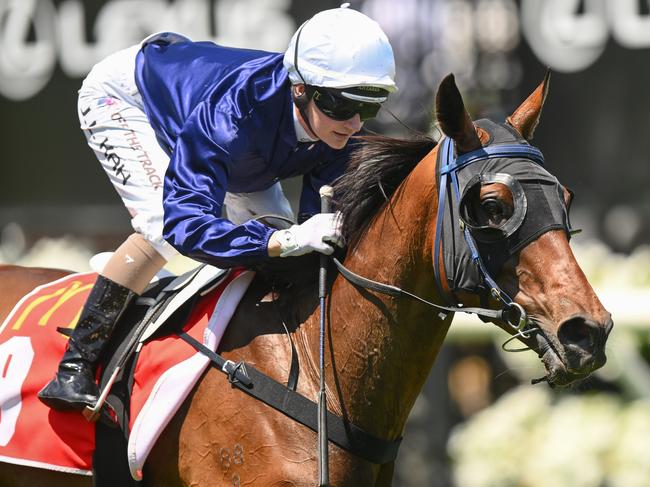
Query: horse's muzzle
(579,350)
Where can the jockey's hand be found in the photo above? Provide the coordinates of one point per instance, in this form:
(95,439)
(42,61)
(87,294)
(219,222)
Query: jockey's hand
(318,234)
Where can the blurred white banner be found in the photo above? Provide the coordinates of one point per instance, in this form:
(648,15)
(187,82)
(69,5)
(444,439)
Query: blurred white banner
(34,34)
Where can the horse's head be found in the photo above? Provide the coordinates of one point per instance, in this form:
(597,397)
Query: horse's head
(517,214)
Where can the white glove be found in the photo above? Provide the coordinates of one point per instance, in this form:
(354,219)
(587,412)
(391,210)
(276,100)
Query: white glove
(315,234)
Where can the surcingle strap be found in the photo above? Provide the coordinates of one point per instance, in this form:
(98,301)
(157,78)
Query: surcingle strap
(297,407)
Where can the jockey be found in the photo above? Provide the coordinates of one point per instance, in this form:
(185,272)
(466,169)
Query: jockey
(184,129)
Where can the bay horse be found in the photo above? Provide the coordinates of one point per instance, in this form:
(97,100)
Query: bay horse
(380,348)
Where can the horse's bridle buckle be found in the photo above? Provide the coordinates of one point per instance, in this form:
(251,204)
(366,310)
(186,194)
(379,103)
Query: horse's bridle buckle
(236,372)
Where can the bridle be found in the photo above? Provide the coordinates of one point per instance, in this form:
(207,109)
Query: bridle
(511,313)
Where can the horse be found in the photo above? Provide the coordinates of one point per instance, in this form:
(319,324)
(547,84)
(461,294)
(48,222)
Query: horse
(379,347)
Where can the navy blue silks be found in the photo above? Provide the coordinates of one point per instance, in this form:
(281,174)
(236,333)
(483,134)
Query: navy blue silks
(224,115)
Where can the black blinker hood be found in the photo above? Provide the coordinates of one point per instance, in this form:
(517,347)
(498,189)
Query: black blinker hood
(539,207)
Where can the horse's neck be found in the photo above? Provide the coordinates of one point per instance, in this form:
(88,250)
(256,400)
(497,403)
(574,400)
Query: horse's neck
(384,347)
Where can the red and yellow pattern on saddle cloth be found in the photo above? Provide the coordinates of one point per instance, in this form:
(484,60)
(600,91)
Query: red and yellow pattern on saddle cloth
(30,348)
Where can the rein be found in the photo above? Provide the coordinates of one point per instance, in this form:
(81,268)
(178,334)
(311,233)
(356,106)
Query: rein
(396,292)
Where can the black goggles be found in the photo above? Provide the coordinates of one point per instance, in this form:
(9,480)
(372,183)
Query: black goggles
(337,107)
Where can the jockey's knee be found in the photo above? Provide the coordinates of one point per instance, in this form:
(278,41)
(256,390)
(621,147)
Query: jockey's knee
(134,263)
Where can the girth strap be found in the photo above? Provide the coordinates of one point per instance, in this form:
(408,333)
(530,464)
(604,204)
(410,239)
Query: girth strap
(297,407)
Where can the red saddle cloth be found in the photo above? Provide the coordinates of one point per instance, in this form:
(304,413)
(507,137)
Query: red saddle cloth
(30,348)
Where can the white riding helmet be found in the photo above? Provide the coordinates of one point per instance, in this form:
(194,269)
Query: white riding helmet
(341,48)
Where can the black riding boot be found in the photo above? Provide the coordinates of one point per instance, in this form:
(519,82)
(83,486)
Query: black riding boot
(74,385)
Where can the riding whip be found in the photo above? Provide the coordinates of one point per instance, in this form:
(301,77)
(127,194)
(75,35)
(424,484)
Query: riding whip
(326,193)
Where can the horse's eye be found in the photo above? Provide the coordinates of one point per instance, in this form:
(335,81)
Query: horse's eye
(496,210)
(492,206)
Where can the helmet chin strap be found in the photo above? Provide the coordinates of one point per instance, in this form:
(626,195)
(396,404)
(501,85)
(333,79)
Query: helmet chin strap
(301,101)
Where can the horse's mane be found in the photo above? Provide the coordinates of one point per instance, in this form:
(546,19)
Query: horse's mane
(376,168)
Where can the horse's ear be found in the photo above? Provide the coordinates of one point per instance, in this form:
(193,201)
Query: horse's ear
(525,118)
(453,118)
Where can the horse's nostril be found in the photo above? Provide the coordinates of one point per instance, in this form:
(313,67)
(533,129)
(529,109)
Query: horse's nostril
(579,331)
